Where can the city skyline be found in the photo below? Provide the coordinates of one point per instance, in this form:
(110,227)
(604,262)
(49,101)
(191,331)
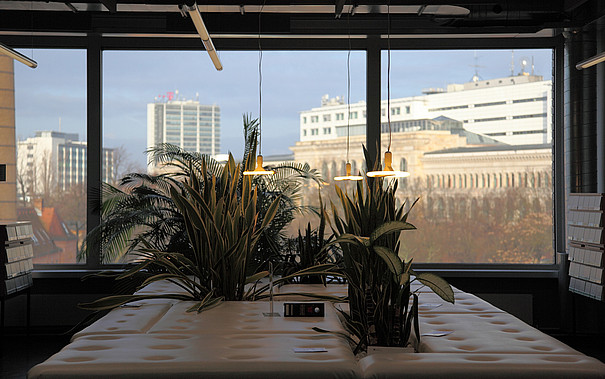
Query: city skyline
(291,83)
(185,123)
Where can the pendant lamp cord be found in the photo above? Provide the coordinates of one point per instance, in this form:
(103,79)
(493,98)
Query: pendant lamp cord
(260,83)
(348,84)
(389,71)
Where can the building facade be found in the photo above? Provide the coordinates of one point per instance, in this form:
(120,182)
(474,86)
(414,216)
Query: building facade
(185,123)
(515,110)
(8,156)
(448,166)
(55,161)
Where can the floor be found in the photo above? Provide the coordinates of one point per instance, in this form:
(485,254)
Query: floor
(20,352)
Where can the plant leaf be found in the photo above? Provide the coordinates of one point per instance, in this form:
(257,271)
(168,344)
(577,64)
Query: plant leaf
(390,258)
(257,276)
(438,285)
(389,227)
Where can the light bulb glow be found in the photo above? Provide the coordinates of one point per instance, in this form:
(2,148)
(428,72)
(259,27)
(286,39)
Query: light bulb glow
(388,171)
(259,170)
(348,175)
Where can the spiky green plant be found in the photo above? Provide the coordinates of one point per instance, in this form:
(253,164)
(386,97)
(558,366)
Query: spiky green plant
(141,209)
(379,281)
(223,216)
(223,228)
(309,250)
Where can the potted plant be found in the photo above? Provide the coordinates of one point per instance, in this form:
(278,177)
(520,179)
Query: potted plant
(383,308)
(140,207)
(310,250)
(222,217)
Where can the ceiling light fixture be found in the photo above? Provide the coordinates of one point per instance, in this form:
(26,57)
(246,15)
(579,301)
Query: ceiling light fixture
(348,175)
(259,170)
(388,170)
(196,17)
(17,56)
(591,61)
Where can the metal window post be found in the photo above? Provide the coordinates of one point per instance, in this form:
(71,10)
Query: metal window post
(94,64)
(373,125)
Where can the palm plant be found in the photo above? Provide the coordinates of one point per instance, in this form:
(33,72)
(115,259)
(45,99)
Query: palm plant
(223,228)
(141,209)
(379,281)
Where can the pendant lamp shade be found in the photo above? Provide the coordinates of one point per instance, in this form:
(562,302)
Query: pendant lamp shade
(348,175)
(388,170)
(259,170)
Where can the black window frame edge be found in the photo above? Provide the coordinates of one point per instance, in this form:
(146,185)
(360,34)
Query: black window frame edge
(94,44)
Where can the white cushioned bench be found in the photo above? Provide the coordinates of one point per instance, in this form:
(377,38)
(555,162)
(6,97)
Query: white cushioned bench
(241,317)
(133,318)
(486,333)
(483,366)
(159,339)
(201,356)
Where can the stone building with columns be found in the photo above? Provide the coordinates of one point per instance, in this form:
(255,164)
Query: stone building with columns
(446,166)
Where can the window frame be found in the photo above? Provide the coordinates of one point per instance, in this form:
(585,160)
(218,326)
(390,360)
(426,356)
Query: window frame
(95,44)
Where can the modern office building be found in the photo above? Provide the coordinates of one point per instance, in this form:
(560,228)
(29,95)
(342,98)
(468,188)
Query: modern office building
(188,124)
(54,160)
(514,110)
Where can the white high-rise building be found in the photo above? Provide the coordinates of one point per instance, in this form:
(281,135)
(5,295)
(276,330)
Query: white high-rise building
(185,123)
(55,161)
(515,110)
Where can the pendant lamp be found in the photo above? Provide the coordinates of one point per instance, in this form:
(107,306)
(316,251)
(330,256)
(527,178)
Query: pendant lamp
(348,175)
(388,170)
(259,170)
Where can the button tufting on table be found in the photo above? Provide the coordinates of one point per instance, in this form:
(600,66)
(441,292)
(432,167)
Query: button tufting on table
(241,316)
(207,356)
(160,339)
(133,318)
(484,366)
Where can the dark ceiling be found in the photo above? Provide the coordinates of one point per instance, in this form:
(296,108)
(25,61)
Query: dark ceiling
(300,17)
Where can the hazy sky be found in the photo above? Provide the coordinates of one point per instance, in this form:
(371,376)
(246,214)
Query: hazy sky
(53,95)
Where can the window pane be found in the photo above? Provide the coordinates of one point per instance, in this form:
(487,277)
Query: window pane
(50,127)
(178,97)
(477,140)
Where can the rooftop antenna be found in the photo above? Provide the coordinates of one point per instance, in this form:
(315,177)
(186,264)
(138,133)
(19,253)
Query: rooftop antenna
(532,65)
(512,62)
(59,123)
(476,76)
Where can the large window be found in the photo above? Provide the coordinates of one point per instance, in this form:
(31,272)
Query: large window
(476,136)
(474,129)
(179,98)
(50,128)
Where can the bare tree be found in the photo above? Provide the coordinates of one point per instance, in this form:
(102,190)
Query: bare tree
(24,180)
(122,164)
(46,174)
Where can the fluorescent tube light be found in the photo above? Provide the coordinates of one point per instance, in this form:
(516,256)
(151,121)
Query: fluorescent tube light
(17,56)
(196,17)
(591,61)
